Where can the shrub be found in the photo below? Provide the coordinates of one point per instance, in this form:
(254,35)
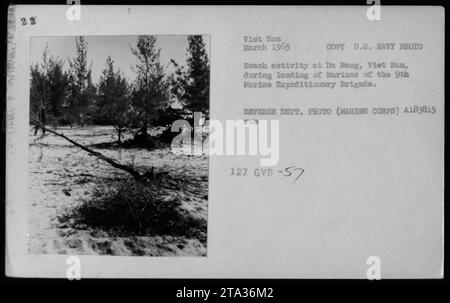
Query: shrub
(168,115)
(141,140)
(167,136)
(132,208)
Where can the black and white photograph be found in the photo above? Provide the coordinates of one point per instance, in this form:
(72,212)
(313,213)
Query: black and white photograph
(103,177)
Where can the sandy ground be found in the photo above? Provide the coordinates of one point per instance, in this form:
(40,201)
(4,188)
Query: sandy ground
(61,175)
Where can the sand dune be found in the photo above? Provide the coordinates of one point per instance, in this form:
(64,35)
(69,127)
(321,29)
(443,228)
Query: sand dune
(61,175)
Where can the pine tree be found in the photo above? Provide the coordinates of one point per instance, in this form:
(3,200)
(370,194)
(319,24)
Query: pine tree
(113,105)
(191,85)
(79,80)
(150,91)
(58,82)
(48,88)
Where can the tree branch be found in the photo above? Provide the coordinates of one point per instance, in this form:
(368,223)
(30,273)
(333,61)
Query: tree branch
(136,175)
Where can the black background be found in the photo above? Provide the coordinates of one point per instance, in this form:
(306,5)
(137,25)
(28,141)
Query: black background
(164,290)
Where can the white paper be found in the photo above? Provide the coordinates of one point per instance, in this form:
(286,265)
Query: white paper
(372,183)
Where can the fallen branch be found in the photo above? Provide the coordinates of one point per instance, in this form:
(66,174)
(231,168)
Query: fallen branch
(136,175)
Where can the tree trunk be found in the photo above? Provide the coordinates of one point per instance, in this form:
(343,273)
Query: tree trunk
(136,175)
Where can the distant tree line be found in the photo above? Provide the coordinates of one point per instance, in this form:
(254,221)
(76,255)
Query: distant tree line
(59,97)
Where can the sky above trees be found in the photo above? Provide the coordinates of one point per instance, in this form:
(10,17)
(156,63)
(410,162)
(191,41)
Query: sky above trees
(118,47)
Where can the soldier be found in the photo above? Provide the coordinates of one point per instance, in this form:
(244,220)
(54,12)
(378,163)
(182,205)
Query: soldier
(42,119)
